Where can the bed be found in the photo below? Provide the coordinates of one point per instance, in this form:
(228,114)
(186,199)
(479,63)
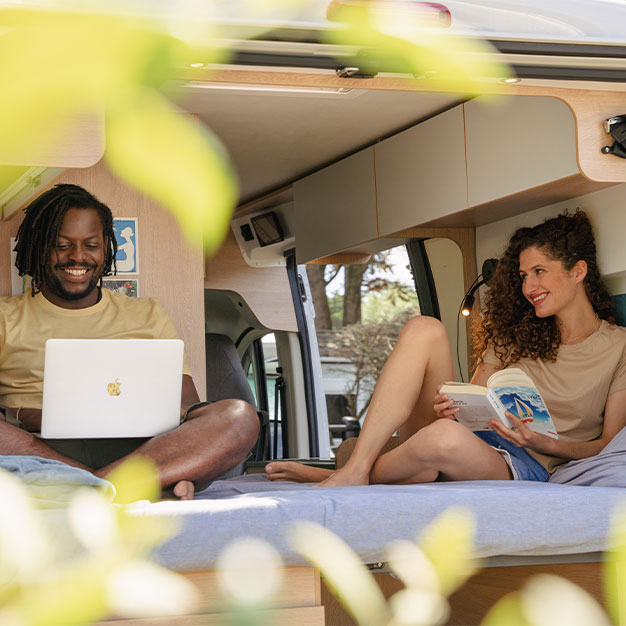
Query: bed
(522,528)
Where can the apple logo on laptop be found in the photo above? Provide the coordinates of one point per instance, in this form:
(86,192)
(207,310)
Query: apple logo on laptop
(113,389)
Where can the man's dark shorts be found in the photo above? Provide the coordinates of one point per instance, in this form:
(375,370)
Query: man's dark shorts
(97,453)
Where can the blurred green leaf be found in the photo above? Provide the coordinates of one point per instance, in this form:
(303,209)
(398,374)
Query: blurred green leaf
(412,607)
(25,548)
(507,612)
(548,600)
(412,566)
(449,545)
(137,478)
(68,596)
(398,41)
(343,572)
(615,567)
(140,589)
(176,161)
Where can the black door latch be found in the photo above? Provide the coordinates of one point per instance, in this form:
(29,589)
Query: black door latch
(616,127)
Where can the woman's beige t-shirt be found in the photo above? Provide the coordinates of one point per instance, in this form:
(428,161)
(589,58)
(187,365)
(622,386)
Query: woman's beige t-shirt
(576,386)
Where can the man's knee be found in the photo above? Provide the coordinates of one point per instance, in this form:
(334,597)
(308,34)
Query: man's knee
(236,416)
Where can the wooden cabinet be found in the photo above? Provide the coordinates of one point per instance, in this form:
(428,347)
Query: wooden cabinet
(335,208)
(514,144)
(420,173)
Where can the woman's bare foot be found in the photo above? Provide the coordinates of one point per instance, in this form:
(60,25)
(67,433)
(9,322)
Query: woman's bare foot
(297,472)
(184,490)
(345,477)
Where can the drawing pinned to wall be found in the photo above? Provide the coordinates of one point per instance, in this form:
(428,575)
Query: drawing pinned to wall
(127,286)
(19,284)
(127,258)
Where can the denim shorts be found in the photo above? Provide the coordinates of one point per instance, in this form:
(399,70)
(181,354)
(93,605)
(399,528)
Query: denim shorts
(521,464)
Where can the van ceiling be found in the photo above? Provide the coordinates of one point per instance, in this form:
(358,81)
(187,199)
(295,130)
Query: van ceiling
(276,138)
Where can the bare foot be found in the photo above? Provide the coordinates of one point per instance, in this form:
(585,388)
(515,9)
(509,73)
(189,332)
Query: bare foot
(345,477)
(298,472)
(183,490)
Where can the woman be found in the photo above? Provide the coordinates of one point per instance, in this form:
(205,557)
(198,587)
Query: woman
(548,313)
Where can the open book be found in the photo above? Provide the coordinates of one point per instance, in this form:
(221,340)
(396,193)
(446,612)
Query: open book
(507,390)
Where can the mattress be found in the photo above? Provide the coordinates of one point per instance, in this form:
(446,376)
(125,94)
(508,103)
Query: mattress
(514,518)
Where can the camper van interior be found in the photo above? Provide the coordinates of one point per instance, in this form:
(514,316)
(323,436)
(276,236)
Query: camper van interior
(334,166)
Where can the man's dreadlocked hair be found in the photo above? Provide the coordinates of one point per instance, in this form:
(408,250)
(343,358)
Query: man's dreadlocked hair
(39,231)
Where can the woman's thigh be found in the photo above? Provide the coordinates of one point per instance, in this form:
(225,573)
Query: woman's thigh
(445,450)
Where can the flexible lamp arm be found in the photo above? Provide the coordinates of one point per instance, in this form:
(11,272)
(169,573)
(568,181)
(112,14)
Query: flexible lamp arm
(489,267)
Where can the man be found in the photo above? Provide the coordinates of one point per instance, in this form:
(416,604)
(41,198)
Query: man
(66,245)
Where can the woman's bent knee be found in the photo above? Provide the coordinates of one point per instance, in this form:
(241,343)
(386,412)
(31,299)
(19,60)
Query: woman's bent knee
(425,327)
(442,439)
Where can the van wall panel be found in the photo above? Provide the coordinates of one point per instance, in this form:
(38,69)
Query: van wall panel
(420,173)
(517,143)
(335,208)
(605,209)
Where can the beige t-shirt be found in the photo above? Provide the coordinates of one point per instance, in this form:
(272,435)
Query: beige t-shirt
(26,323)
(576,386)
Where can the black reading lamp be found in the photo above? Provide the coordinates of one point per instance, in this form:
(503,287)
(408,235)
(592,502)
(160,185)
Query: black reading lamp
(489,267)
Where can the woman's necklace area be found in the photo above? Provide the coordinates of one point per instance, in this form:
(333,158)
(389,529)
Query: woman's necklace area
(594,326)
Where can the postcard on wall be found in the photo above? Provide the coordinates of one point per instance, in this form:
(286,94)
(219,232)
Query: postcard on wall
(127,257)
(19,284)
(127,286)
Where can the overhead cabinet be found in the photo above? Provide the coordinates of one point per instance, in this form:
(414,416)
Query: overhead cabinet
(336,207)
(482,161)
(517,143)
(420,173)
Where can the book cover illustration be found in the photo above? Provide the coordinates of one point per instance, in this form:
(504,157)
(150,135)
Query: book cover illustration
(527,405)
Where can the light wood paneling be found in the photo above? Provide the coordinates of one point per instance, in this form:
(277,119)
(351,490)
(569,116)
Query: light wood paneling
(420,173)
(169,269)
(77,142)
(471,603)
(298,602)
(301,588)
(8,229)
(265,289)
(342,259)
(335,208)
(301,616)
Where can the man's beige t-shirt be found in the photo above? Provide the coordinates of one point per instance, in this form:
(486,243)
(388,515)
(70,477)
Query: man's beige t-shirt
(576,386)
(26,323)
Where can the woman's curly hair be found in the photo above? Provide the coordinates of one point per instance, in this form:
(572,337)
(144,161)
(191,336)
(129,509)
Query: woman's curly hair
(509,323)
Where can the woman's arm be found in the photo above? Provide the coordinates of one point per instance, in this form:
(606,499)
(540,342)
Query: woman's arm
(614,421)
(442,403)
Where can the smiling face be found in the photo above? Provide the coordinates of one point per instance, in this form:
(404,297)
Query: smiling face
(547,285)
(77,261)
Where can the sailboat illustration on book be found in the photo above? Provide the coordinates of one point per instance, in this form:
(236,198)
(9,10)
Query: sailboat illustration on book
(524,412)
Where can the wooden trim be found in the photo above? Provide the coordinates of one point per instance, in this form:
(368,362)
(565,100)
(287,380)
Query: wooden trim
(470,604)
(465,238)
(265,289)
(299,601)
(341,259)
(302,616)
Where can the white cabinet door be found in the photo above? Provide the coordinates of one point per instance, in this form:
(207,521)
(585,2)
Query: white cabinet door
(335,208)
(517,143)
(420,173)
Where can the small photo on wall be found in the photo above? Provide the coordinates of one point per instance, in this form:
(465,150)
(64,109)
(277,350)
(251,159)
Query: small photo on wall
(127,286)
(126,259)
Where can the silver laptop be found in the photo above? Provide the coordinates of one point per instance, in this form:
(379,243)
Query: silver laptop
(111,387)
